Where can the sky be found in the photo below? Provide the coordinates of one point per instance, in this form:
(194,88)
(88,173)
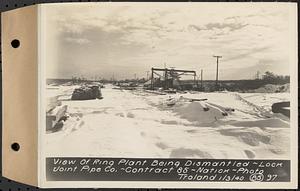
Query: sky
(124,40)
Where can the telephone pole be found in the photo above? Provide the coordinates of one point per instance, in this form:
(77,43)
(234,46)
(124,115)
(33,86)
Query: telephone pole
(201,80)
(217,74)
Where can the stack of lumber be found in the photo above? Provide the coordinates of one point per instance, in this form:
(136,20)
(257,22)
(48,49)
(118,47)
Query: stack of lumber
(87,93)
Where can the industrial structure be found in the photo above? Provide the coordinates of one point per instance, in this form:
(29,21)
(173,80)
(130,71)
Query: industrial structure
(169,78)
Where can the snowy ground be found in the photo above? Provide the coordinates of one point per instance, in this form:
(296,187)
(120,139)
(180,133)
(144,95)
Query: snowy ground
(135,123)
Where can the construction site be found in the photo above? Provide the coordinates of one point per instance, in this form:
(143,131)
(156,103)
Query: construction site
(170,114)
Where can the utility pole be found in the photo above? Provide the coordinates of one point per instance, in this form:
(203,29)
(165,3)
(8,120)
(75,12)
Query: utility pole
(217,74)
(201,79)
(152,86)
(147,75)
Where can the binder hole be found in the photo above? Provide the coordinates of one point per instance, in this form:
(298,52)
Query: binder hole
(15,146)
(15,43)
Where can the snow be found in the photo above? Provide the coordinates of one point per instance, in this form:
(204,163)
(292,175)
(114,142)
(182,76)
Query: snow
(195,111)
(135,123)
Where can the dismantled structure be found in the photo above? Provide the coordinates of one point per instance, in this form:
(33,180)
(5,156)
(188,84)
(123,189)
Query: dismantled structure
(170,79)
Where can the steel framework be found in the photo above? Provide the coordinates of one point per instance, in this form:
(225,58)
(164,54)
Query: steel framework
(170,75)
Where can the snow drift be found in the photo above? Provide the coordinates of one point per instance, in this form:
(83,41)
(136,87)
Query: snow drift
(135,123)
(201,113)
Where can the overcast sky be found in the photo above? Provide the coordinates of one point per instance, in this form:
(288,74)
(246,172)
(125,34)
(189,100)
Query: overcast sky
(105,39)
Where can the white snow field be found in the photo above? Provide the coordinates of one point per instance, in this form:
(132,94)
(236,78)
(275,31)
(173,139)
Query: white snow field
(135,123)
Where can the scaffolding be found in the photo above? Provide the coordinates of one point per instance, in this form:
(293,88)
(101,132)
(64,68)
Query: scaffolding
(170,78)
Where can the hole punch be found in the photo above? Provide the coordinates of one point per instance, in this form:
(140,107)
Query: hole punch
(15,146)
(15,43)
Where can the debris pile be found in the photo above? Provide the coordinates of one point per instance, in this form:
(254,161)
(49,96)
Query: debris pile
(55,114)
(198,110)
(87,92)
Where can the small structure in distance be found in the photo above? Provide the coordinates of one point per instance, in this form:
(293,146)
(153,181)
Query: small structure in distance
(170,79)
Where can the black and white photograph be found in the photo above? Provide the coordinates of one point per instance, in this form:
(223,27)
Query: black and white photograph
(168,80)
(155,89)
